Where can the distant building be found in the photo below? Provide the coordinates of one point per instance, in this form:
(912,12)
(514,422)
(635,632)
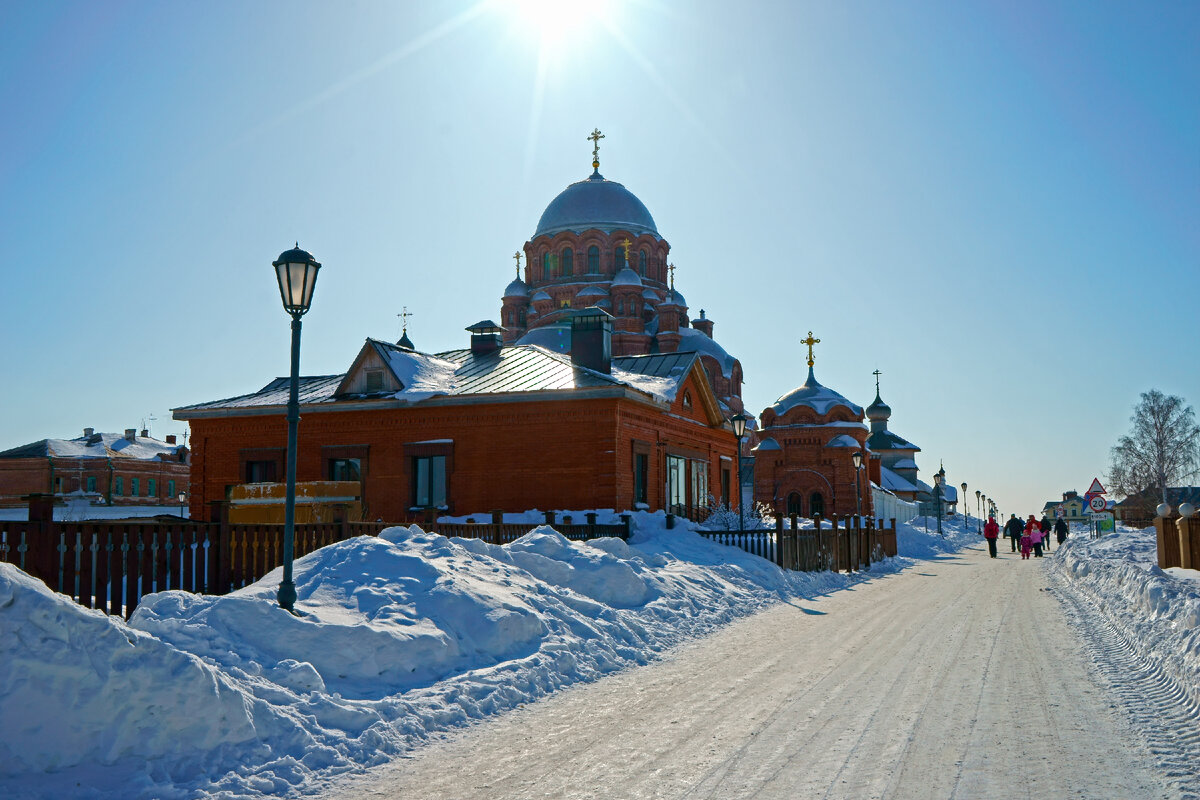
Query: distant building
(1144,505)
(109,468)
(1072,508)
(898,465)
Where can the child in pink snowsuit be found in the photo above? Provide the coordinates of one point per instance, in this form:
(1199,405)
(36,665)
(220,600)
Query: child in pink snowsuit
(1027,537)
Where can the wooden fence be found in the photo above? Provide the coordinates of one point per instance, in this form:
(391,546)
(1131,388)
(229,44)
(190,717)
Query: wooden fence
(845,545)
(112,565)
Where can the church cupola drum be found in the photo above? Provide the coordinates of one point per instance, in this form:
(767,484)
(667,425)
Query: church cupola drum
(597,245)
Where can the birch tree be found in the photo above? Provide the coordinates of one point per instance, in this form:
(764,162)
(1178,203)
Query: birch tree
(1161,448)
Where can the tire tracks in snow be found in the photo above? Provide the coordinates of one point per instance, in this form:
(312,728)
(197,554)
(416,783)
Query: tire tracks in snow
(1156,705)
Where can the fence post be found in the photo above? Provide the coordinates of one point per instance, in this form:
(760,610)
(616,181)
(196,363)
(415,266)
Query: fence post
(779,557)
(218,515)
(670,521)
(626,520)
(497,517)
(549,517)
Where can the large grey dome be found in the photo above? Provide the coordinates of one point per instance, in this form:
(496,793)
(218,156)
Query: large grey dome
(596,203)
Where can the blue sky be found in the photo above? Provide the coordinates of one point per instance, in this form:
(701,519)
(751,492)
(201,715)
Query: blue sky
(995,204)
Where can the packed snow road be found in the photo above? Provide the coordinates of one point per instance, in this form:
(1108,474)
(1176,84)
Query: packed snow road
(957,678)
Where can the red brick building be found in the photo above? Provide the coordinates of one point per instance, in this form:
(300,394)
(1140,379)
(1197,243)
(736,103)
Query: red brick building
(110,468)
(481,429)
(804,458)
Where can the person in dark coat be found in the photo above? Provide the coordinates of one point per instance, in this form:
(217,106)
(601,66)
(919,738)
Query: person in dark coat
(1013,529)
(991,532)
(1045,527)
(1060,530)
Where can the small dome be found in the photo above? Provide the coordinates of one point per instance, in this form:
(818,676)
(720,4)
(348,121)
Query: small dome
(595,290)
(674,298)
(843,440)
(878,411)
(405,342)
(651,295)
(605,303)
(766,444)
(626,277)
(815,396)
(596,203)
(518,288)
(540,295)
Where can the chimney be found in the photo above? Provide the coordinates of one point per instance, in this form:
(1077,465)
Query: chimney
(170,438)
(591,339)
(131,434)
(704,324)
(485,337)
(87,432)
(145,434)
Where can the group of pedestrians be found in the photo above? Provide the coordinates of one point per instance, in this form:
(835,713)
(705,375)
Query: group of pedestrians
(1030,535)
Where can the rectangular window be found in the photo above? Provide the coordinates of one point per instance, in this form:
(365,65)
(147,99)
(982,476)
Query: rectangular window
(729,499)
(118,486)
(699,484)
(345,469)
(133,487)
(91,483)
(260,472)
(641,469)
(171,490)
(58,485)
(374,380)
(676,484)
(429,481)
(151,488)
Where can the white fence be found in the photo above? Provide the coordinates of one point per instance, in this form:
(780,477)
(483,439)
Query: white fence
(888,506)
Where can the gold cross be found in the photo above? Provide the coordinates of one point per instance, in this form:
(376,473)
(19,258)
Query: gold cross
(595,138)
(517,256)
(810,341)
(877,373)
(628,259)
(404,315)
(671,269)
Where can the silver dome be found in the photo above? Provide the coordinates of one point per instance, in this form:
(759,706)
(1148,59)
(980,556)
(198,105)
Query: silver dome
(596,203)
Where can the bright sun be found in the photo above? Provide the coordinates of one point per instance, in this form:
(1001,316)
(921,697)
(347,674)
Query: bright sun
(559,21)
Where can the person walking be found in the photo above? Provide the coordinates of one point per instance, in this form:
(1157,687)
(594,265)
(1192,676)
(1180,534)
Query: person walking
(1044,526)
(1035,530)
(1013,530)
(1060,530)
(991,532)
(1027,537)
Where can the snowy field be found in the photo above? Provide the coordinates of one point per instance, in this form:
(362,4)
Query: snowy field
(402,638)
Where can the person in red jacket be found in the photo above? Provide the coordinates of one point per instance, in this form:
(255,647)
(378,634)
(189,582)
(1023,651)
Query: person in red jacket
(1027,539)
(991,532)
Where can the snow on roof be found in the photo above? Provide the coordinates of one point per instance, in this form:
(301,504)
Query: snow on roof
(842,440)
(905,463)
(766,444)
(100,445)
(421,375)
(894,483)
(693,341)
(815,396)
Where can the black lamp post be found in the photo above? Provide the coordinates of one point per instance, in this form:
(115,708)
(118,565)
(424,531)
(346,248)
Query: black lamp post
(182,497)
(856,457)
(739,430)
(938,480)
(296,271)
(965,508)
(978,511)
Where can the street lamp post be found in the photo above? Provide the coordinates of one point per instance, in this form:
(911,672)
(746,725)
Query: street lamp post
(856,457)
(978,511)
(938,480)
(966,508)
(296,270)
(182,497)
(739,430)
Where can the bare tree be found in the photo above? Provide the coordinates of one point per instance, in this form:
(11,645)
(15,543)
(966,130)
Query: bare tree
(1161,448)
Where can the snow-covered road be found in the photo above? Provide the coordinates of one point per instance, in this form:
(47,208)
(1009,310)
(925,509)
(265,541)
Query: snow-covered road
(958,677)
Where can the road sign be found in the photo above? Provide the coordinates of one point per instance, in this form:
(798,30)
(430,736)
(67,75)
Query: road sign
(1098,504)
(1096,488)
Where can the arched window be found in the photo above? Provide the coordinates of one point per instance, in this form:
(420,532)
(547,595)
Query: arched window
(521,318)
(548,265)
(642,263)
(568,261)
(619,259)
(794,505)
(620,306)
(816,505)
(593,260)
(687,399)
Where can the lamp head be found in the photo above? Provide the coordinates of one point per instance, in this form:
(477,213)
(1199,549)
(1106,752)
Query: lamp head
(296,271)
(739,425)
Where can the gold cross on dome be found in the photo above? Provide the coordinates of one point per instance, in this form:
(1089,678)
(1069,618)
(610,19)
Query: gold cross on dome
(628,259)
(517,256)
(404,315)
(876,373)
(671,269)
(810,341)
(595,138)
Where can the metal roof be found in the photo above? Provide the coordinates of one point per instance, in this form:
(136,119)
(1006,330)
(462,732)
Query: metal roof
(886,440)
(313,389)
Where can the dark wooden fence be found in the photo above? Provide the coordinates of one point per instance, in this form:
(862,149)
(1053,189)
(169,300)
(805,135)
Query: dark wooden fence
(839,545)
(112,565)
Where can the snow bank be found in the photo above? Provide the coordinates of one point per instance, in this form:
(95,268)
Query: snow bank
(1157,612)
(398,637)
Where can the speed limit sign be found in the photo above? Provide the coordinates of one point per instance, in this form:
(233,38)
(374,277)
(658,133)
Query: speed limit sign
(1098,504)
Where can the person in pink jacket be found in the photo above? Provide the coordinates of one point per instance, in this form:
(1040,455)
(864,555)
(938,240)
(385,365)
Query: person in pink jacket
(1036,535)
(1027,537)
